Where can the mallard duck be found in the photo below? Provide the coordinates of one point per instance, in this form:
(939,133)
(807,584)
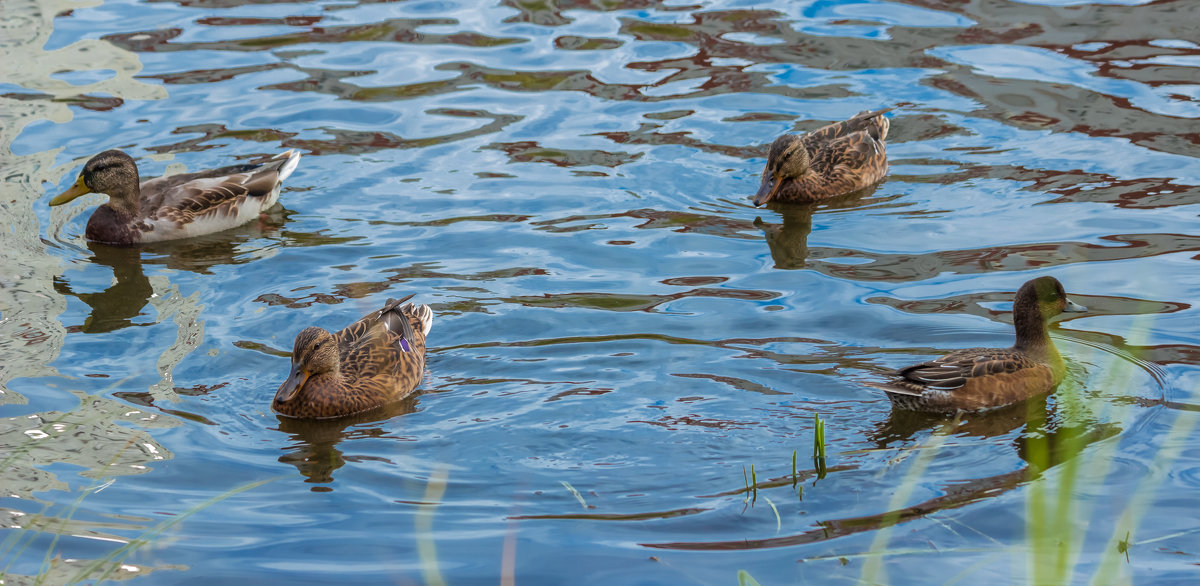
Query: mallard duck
(179,206)
(981,378)
(373,361)
(830,161)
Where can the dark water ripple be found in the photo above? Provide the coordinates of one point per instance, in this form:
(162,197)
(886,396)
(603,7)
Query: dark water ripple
(621,339)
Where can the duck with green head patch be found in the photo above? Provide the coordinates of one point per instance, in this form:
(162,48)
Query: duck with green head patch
(982,378)
(370,363)
(178,206)
(833,160)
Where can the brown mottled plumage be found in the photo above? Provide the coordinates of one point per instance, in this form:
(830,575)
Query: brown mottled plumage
(179,206)
(981,378)
(373,361)
(830,161)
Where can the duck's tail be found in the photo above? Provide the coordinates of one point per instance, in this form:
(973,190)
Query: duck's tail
(893,390)
(404,318)
(422,312)
(292,157)
(884,125)
(875,123)
(425,314)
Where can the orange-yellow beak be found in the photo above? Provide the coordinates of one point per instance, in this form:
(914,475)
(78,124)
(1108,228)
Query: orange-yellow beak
(80,188)
(764,194)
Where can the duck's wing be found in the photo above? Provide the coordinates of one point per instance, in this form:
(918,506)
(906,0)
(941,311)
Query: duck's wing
(873,123)
(216,199)
(370,325)
(848,154)
(955,370)
(385,341)
(846,164)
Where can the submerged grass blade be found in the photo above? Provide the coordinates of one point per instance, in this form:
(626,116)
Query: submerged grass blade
(1055,540)
(423,524)
(10,545)
(746,478)
(114,559)
(48,558)
(1173,444)
(874,564)
(7,547)
(745,579)
(778,521)
(575,493)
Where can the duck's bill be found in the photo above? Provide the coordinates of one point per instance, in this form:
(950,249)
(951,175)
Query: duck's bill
(1073,307)
(295,380)
(767,191)
(80,188)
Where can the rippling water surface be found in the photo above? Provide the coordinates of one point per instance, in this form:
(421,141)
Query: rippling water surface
(621,338)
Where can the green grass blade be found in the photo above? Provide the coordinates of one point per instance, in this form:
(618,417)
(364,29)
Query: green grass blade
(872,569)
(745,579)
(794,476)
(574,492)
(426,547)
(778,520)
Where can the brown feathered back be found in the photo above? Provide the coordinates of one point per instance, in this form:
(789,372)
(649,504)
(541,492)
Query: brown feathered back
(373,361)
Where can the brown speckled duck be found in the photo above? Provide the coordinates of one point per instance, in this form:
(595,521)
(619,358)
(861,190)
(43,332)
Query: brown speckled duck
(372,362)
(178,206)
(981,378)
(830,161)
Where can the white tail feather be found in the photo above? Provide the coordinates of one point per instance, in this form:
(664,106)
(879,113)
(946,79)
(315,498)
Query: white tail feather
(286,169)
(425,314)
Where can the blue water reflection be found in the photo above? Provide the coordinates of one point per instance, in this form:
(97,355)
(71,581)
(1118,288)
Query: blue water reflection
(621,339)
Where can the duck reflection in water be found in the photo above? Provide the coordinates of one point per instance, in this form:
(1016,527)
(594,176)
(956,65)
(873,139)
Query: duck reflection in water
(1047,436)
(902,425)
(788,240)
(314,450)
(117,306)
(201,253)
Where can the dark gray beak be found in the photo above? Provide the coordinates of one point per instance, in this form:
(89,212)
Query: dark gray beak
(767,190)
(296,379)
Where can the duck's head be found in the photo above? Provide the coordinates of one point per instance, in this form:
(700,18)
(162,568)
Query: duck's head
(1047,295)
(786,161)
(314,353)
(111,172)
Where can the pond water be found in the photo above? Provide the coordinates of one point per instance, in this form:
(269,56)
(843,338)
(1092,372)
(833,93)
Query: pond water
(627,357)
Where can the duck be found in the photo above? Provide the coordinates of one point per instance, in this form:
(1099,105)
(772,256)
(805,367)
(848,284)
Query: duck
(975,379)
(178,206)
(370,363)
(834,160)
